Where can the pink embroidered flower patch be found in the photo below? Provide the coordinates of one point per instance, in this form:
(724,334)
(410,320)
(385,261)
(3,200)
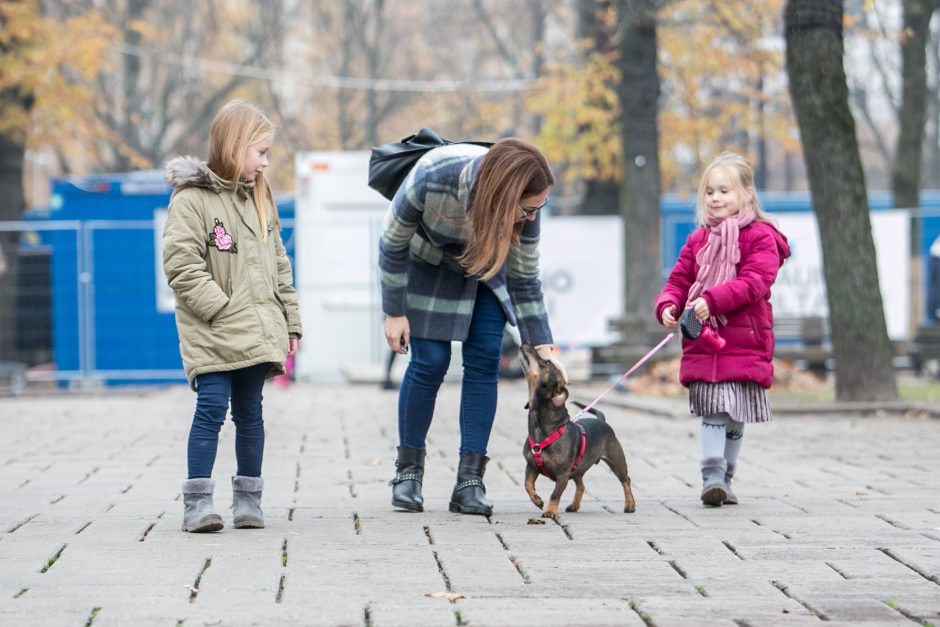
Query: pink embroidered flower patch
(220,239)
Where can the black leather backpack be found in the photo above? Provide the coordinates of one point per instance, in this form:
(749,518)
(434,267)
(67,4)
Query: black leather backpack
(390,164)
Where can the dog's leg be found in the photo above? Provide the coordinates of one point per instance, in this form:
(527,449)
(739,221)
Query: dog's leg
(552,510)
(531,474)
(617,462)
(578,493)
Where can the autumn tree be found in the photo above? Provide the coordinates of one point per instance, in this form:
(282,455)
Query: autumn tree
(41,57)
(818,87)
(169,69)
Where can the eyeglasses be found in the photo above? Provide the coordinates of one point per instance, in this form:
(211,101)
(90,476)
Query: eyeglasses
(529,211)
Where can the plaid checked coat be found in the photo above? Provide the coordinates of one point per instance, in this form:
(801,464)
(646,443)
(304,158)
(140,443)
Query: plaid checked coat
(426,230)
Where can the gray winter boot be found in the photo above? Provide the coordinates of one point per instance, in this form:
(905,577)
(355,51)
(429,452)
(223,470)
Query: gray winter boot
(731,498)
(246,501)
(198,514)
(714,489)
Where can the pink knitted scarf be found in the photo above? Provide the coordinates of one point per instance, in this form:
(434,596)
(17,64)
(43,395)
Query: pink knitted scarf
(718,258)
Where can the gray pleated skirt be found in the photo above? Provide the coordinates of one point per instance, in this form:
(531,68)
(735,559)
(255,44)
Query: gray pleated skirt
(744,401)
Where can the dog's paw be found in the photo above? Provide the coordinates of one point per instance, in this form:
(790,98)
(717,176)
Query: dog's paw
(538,501)
(629,509)
(550,514)
(571,508)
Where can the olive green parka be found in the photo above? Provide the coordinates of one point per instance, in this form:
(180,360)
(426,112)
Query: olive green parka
(235,300)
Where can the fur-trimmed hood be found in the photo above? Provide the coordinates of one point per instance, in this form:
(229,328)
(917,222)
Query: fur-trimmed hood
(183,172)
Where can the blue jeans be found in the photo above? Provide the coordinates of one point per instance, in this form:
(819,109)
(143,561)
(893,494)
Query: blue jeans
(213,391)
(425,373)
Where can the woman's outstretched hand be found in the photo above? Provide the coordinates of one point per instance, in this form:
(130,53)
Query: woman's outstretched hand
(398,333)
(545,352)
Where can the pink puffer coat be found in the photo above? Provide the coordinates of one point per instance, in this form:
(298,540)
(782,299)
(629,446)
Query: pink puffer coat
(745,302)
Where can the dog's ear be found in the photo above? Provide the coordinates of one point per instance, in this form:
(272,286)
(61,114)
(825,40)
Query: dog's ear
(559,399)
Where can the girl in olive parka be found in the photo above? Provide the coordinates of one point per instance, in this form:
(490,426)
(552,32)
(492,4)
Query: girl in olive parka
(236,308)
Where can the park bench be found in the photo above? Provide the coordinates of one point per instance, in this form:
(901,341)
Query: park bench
(924,347)
(12,377)
(805,339)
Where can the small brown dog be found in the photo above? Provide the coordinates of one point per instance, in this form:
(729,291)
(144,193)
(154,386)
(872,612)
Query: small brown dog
(562,449)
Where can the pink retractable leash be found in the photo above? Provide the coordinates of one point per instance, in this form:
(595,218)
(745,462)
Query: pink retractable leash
(626,374)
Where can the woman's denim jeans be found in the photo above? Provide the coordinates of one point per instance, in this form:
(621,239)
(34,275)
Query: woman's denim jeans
(213,391)
(429,362)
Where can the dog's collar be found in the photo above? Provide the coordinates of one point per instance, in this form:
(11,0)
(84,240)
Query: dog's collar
(544,444)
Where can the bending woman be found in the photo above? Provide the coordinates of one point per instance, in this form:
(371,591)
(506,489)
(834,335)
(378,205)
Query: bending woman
(458,259)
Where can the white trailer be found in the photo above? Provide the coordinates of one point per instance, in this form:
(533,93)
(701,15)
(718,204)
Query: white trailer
(338,225)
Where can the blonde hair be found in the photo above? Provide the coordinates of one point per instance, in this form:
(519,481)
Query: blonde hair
(235,127)
(736,168)
(512,169)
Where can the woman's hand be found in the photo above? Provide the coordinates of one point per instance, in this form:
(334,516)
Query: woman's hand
(700,309)
(398,333)
(293,345)
(669,317)
(545,352)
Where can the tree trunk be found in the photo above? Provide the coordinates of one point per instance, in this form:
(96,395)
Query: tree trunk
(639,93)
(601,196)
(818,89)
(905,175)
(912,117)
(932,168)
(12,154)
(12,205)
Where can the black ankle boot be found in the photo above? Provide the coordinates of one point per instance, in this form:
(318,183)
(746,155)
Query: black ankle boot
(406,486)
(469,496)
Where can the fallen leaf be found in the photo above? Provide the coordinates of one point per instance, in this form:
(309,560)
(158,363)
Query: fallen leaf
(536,521)
(450,596)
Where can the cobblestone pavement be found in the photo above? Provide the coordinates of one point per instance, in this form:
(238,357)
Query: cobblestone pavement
(839,522)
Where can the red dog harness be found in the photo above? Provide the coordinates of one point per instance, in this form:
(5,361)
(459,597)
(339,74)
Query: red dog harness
(538,448)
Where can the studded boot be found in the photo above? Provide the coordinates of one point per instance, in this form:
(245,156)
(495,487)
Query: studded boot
(406,486)
(469,495)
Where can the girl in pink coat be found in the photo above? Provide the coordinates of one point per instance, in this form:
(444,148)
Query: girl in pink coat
(724,274)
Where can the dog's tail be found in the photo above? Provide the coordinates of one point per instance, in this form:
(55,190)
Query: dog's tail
(593,411)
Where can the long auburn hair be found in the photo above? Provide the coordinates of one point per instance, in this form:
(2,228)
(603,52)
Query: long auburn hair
(236,126)
(741,174)
(512,169)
